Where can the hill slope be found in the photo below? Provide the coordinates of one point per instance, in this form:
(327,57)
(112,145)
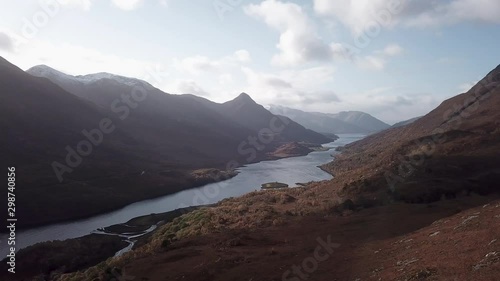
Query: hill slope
(451,150)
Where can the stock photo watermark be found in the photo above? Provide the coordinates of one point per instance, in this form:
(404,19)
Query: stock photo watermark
(453,118)
(92,138)
(383,18)
(249,147)
(47,10)
(309,265)
(222,7)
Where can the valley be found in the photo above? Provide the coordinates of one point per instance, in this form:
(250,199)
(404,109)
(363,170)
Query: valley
(449,203)
(273,140)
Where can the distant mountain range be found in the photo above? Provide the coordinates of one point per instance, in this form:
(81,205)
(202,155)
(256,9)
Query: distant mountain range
(339,123)
(113,140)
(406,122)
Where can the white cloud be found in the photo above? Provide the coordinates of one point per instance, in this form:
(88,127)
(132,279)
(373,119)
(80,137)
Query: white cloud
(242,56)
(292,87)
(371,63)
(198,64)
(77,60)
(360,15)
(191,87)
(393,50)
(466,86)
(299,41)
(81,4)
(6,42)
(127,5)
(378,60)
(164,3)
(225,79)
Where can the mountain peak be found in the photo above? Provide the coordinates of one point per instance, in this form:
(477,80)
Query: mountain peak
(42,68)
(56,75)
(243,98)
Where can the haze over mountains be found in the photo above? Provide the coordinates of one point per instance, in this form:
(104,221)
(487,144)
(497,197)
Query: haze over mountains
(339,123)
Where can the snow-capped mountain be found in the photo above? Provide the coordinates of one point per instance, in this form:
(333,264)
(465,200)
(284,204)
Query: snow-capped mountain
(78,85)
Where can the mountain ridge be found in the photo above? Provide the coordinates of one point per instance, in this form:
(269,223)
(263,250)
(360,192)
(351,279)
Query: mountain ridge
(339,123)
(169,136)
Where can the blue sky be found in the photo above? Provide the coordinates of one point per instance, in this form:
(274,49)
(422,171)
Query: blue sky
(395,59)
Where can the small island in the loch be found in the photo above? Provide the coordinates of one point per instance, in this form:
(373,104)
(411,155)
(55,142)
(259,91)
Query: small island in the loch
(274,185)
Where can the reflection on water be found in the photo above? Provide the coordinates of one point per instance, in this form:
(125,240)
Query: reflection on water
(289,171)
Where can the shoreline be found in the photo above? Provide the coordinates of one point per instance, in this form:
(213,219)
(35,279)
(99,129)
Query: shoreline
(104,211)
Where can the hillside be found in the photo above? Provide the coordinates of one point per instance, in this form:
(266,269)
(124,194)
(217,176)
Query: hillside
(405,122)
(242,115)
(450,151)
(104,145)
(448,201)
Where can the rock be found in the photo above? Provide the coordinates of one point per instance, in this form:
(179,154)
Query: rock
(435,233)
(286,198)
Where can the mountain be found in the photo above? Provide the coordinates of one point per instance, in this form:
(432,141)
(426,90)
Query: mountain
(449,152)
(89,144)
(340,123)
(399,199)
(362,120)
(242,112)
(248,113)
(405,122)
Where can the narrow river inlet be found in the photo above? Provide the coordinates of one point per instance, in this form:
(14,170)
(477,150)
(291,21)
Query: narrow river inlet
(290,171)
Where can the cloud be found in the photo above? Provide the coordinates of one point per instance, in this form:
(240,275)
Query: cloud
(225,79)
(378,60)
(242,56)
(371,63)
(81,4)
(393,50)
(78,60)
(299,41)
(465,87)
(325,96)
(197,65)
(191,87)
(360,15)
(164,3)
(456,11)
(292,87)
(127,5)
(6,42)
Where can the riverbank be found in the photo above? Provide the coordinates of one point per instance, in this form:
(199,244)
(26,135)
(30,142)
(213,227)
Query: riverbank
(288,170)
(155,183)
(44,259)
(293,169)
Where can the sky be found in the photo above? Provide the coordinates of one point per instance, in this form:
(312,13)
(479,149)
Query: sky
(394,59)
